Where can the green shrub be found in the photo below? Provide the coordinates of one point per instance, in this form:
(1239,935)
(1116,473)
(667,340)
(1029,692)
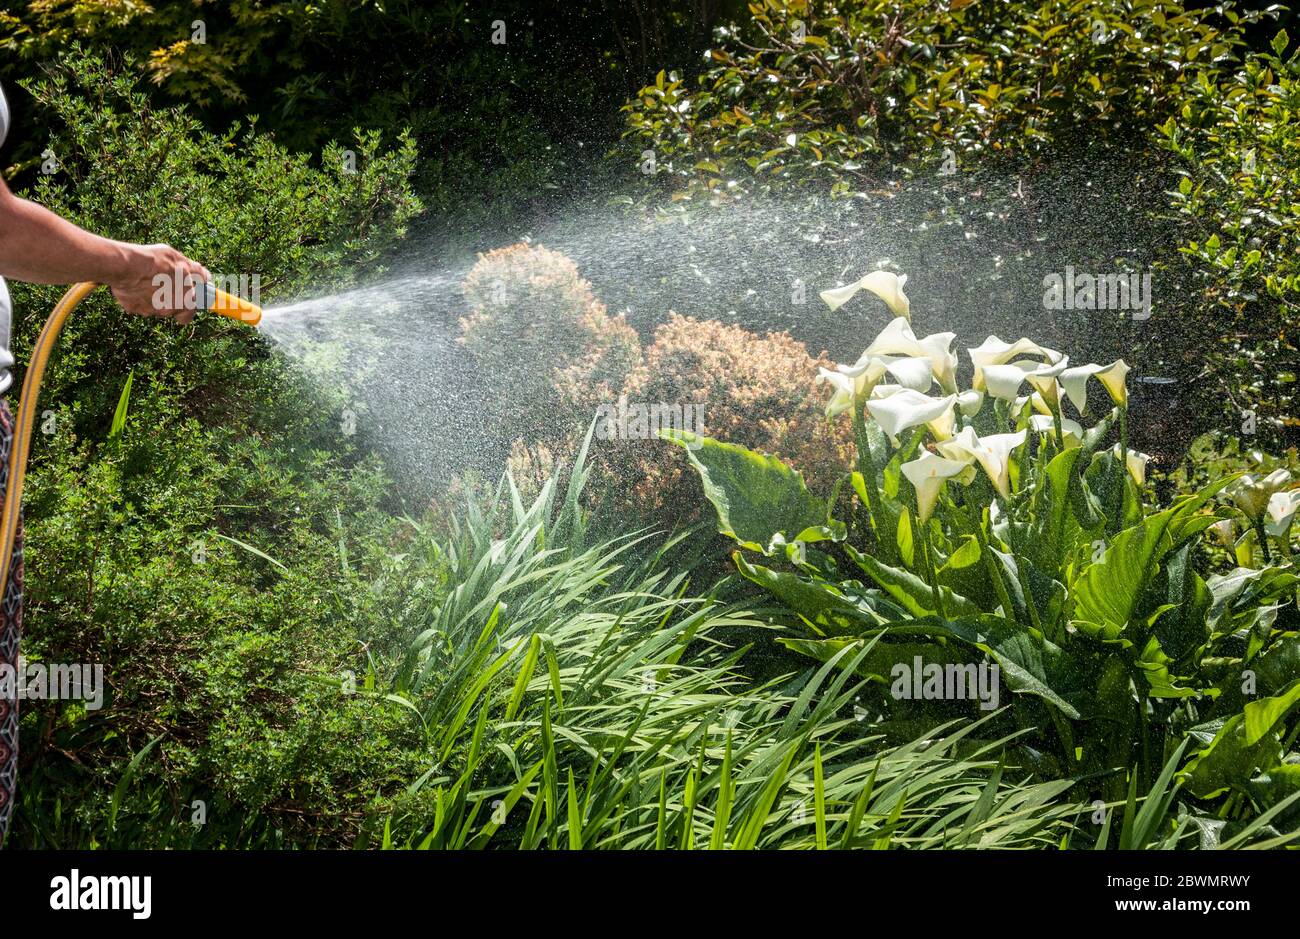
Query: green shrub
(1240,167)
(500,137)
(874,84)
(219,556)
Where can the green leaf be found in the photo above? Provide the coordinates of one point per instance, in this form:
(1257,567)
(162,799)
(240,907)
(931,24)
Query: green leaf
(251,550)
(879,661)
(1029,663)
(1279,783)
(1107,593)
(1261,716)
(123,404)
(906,547)
(123,784)
(911,592)
(1183,627)
(820,604)
(756,495)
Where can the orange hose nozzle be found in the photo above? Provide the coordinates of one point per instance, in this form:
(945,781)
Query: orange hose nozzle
(227,304)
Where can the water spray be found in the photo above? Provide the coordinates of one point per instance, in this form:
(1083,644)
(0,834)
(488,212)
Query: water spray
(207,297)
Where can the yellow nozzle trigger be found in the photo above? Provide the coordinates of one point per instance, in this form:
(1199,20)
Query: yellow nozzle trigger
(227,304)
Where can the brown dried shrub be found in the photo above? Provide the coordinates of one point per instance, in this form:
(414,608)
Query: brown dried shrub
(756,391)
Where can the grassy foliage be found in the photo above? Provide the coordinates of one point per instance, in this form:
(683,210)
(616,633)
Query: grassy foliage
(577,696)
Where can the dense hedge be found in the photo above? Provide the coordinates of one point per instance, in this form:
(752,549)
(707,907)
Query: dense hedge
(990,143)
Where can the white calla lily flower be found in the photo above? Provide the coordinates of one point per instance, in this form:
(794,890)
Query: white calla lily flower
(970,402)
(911,373)
(993,453)
(897,338)
(1281,512)
(1071,431)
(942,427)
(1044,382)
(847,387)
(1003,381)
(943,362)
(861,378)
(993,351)
(1224,532)
(907,408)
(1137,464)
(928,474)
(1112,377)
(1252,496)
(885,285)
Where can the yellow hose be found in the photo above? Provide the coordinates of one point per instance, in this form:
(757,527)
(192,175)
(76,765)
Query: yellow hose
(25,420)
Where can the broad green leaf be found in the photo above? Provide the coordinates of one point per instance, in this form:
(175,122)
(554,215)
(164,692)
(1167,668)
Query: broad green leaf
(1107,593)
(880,661)
(1261,716)
(1183,627)
(1279,783)
(1029,663)
(822,605)
(913,593)
(756,495)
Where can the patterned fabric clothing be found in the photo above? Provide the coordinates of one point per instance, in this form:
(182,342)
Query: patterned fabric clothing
(11,629)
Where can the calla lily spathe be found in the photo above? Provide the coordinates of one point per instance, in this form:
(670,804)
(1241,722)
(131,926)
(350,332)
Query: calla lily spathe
(1137,463)
(970,402)
(859,380)
(1071,431)
(898,339)
(1253,495)
(1224,531)
(1280,512)
(993,351)
(992,452)
(1004,381)
(885,285)
(928,474)
(907,408)
(1112,377)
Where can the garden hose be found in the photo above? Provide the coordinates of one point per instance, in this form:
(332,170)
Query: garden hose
(208,298)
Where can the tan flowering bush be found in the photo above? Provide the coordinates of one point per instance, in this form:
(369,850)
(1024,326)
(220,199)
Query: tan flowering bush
(750,389)
(546,347)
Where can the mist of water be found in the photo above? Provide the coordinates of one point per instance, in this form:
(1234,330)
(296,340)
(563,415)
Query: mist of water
(391,347)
